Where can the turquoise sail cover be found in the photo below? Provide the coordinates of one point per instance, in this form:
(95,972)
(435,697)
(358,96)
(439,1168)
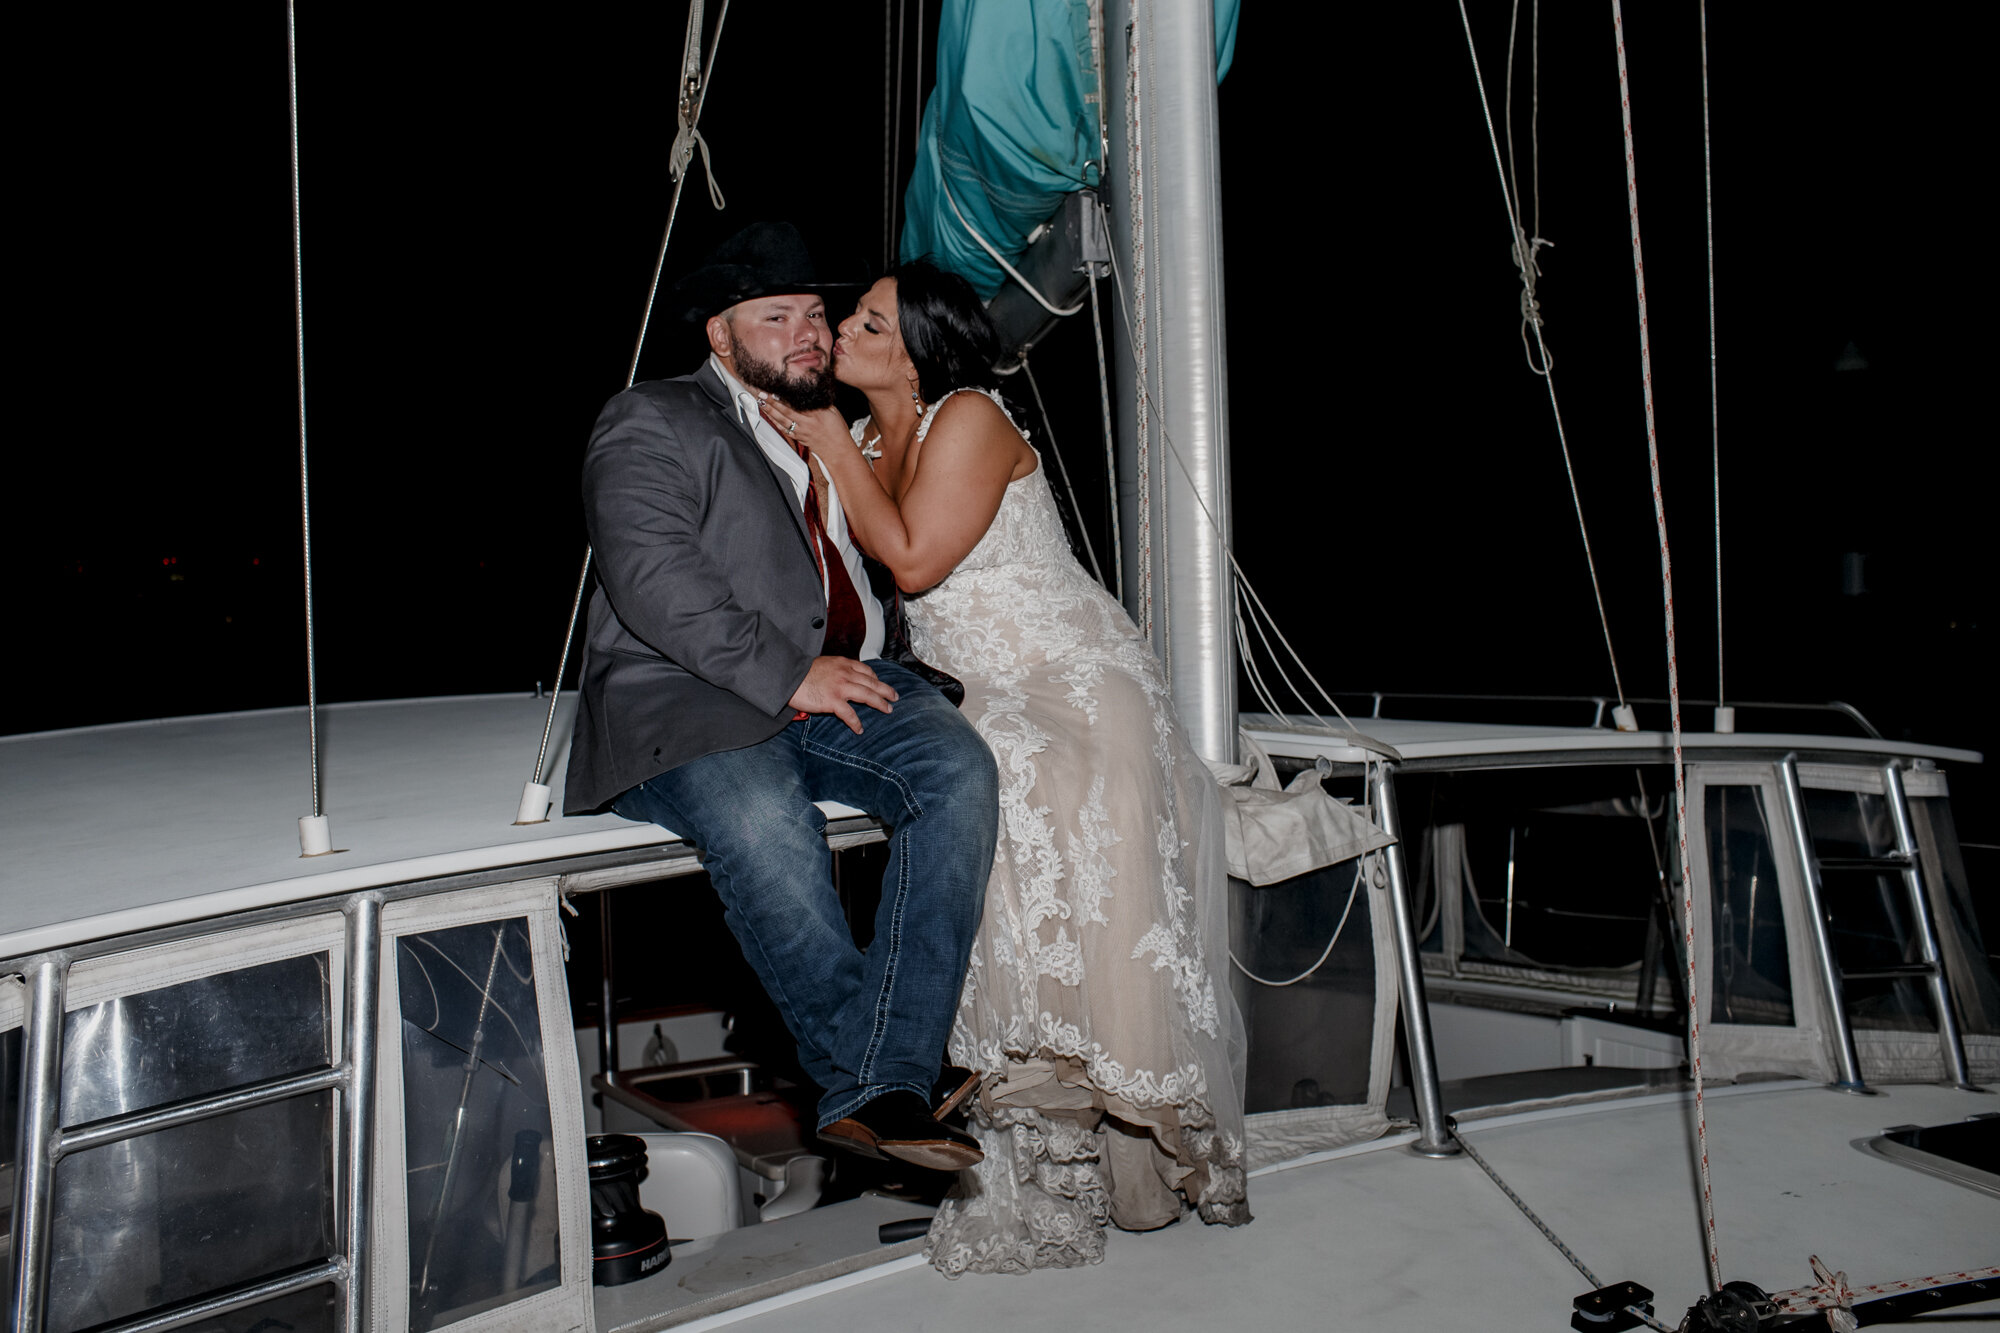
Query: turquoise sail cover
(1011,127)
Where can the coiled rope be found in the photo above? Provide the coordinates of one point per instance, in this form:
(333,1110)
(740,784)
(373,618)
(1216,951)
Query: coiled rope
(1673,669)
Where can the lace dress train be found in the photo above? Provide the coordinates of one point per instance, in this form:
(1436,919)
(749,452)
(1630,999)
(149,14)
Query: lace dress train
(1095,1002)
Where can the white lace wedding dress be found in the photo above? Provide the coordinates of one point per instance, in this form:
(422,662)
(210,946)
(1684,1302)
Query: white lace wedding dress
(1095,1003)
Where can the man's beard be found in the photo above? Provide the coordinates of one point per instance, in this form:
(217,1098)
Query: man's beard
(803,391)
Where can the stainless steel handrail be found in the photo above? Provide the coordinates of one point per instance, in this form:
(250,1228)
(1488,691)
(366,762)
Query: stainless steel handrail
(180,1316)
(1434,1136)
(1601,702)
(1829,967)
(358,1057)
(34,1162)
(113,1129)
(1949,1038)
(42,1141)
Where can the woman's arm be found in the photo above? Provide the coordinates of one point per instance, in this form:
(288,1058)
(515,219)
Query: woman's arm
(969,455)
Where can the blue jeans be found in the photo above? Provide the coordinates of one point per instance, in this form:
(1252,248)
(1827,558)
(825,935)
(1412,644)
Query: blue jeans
(866,1023)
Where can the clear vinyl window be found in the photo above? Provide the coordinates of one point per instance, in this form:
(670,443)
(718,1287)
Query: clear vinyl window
(477,1130)
(1752,976)
(179,1213)
(1868,911)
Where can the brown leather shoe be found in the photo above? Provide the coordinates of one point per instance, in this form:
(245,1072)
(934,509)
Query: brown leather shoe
(900,1125)
(955,1084)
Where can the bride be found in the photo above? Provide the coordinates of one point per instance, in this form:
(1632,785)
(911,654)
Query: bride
(1093,1007)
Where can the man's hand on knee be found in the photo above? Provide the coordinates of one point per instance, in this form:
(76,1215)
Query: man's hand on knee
(835,684)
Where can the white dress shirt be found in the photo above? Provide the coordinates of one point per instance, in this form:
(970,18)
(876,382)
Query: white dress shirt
(786,459)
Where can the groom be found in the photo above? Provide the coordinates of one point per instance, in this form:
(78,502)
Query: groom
(735,674)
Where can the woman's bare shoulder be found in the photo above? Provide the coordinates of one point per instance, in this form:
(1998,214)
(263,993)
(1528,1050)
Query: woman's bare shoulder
(972,424)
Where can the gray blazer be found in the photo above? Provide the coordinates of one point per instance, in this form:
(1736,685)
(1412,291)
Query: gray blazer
(708,607)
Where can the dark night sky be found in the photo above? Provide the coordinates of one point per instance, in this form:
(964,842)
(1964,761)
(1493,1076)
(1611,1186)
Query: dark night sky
(484,192)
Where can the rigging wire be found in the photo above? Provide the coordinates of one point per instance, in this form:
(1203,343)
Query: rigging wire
(896,132)
(1134,310)
(697,74)
(1714,401)
(1526,256)
(1110,445)
(1096,311)
(1524,252)
(299,339)
(1048,429)
(1241,579)
(1647,1319)
(888,132)
(1673,670)
(917,89)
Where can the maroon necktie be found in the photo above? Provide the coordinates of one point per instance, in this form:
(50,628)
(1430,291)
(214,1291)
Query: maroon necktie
(846,623)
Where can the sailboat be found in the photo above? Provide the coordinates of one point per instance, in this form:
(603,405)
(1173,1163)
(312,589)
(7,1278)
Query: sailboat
(258,1072)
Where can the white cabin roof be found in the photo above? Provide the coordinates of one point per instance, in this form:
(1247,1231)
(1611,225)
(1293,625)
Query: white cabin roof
(1302,738)
(114,829)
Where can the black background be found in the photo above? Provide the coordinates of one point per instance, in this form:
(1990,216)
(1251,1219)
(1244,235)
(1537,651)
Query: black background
(483,195)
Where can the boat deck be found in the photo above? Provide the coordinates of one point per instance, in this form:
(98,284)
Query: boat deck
(1375,1238)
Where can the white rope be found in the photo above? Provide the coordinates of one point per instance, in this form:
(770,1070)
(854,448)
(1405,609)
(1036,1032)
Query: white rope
(1714,401)
(685,143)
(1326,953)
(693,95)
(688,139)
(1832,1291)
(1673,670)
(999,258)
(299,337)
(1048,429)
(1523,249)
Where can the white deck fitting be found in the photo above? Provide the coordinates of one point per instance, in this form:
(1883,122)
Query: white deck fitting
(109,830)
(1383,1240)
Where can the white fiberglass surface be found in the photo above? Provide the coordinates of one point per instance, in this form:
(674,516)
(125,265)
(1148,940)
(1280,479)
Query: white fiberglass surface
(122,828)
(1382,1239)
(1301,738)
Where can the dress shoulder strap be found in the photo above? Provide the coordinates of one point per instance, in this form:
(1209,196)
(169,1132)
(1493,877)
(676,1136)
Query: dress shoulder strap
(930,413)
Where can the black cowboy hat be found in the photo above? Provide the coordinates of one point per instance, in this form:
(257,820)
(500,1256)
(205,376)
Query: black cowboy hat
(764,259)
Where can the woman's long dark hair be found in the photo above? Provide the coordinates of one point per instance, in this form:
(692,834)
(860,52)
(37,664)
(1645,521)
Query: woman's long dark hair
(945,330)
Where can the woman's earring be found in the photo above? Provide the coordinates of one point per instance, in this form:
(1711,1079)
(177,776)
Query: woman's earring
(914,396)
